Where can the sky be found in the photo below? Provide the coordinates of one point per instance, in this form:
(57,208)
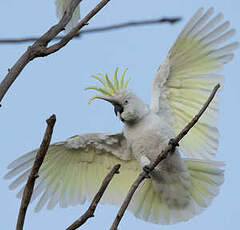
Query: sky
(55,84)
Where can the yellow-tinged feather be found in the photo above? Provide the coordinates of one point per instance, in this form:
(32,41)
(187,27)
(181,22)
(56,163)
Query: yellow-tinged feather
(48,167)
(166,212)
(210,117)
(197,197)
(100,80)
(157,212)
(103,91)
(147,203)
(203,177)
(137,204)
(201,188)
(204,167)
(53,200)
(109,88)
(122,78)
(83,181)
(72,178)
(79,185)
(110,85)
(189,74)
(92,98)
(65,166)
(115,79)
(126,83)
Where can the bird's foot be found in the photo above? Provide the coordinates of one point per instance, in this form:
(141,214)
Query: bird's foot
(174,143)
(146,169)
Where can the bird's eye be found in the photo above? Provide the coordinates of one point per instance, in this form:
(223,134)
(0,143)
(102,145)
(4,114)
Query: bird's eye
(125,102)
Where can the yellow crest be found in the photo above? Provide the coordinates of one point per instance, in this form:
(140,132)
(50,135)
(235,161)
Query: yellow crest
(109,88)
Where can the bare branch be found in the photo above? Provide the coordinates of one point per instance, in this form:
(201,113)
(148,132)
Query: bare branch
(99,29)
(40,49)
(90,212)
(71,34)
(163,155)
(28,190)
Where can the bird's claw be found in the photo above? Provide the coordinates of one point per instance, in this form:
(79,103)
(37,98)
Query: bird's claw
(146,169)
(173,142)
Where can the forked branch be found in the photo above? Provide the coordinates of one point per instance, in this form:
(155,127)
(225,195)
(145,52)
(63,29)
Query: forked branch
(163,155)
(40,47)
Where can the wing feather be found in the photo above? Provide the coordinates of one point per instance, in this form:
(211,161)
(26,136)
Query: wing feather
(186,78)
(73,170)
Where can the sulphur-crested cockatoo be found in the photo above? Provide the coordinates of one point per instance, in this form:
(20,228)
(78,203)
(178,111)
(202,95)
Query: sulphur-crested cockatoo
(179,188)
(61,7)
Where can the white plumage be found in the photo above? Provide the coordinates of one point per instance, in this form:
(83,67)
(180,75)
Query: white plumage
(179,188)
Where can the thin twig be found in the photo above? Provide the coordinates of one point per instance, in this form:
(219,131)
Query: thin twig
(90,212)
(163,155)
(99,29)
(40,49)
(28,190)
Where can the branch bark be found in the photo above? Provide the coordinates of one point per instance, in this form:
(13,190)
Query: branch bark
(99,29)
(28,190)
(163,155)
(40,49)
(90,212)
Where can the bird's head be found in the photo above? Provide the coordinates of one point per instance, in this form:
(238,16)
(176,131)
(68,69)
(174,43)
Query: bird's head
(127,106)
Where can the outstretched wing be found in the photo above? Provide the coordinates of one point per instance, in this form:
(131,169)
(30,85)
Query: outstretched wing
(61,7)
(73,170)
(185,79)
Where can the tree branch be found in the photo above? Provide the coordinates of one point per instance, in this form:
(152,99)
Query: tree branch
(40,49)
(99,29)
(28,190)
(90,212)
(163,155)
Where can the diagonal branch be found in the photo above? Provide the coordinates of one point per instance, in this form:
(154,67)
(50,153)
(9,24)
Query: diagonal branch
(28,190)
(40,49)
(90,212)
(99,29)
(163,155)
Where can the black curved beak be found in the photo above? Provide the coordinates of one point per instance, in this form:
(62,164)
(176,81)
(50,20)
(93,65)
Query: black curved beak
(114,101)
(118,109)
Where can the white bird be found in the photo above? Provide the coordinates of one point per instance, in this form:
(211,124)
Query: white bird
(179,188)
(61,7)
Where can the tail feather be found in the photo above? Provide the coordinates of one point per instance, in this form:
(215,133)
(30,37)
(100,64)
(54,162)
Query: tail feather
(205,180)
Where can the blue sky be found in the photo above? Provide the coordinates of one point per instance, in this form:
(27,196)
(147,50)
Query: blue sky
(55,84)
